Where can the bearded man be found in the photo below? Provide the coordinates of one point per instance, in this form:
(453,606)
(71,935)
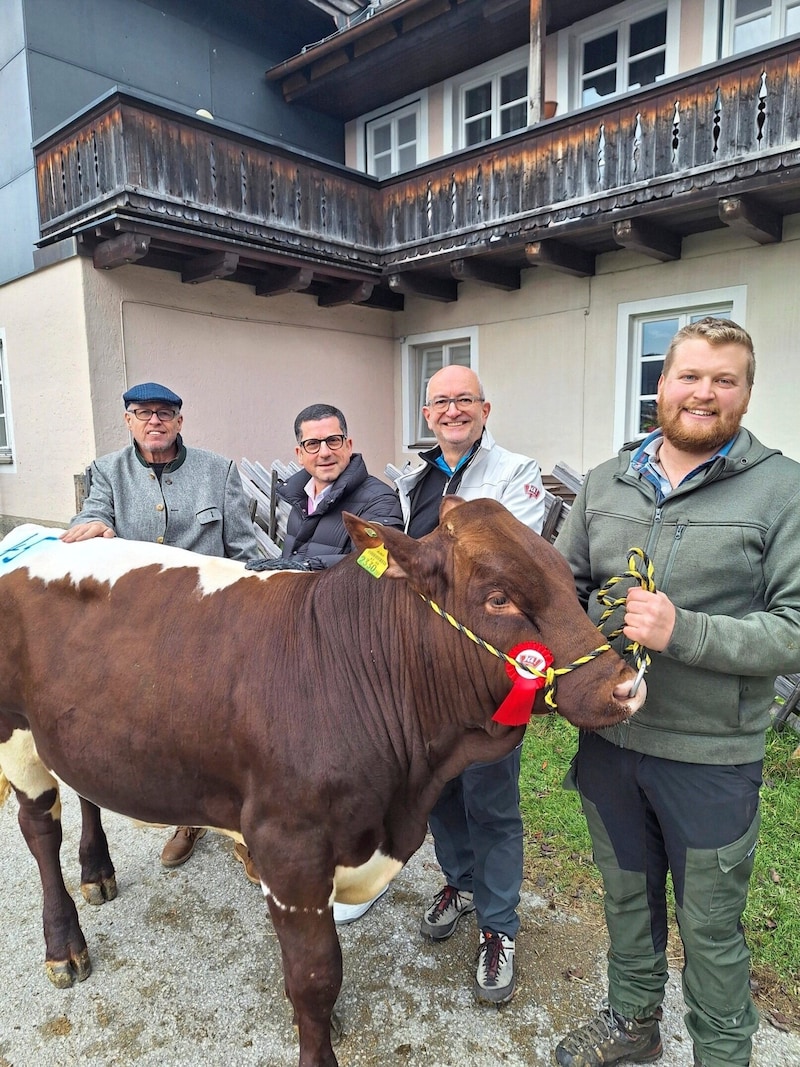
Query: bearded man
(677,787)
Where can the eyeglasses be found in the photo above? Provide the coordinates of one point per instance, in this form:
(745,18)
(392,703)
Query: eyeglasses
(442,403)
(312,445)
(146,414)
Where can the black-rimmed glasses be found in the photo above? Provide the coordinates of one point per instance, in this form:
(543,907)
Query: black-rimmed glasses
(442,403)
(312,445)
(146,414)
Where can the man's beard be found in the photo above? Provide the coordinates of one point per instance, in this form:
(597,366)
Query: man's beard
(698,439)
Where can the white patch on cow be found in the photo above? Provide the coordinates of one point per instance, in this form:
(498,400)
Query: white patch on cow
(357,885)
(107,559)
(24,769)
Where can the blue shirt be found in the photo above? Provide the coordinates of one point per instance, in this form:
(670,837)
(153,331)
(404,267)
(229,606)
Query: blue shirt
(645,462)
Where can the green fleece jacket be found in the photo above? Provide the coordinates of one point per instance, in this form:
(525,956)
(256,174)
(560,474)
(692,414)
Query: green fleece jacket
(726,551)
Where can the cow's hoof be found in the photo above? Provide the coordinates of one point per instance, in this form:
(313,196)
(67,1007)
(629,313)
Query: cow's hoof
(63,973)
(337,1029)
(99,892)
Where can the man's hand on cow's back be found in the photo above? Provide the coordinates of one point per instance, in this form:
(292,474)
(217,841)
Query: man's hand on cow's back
(84,531)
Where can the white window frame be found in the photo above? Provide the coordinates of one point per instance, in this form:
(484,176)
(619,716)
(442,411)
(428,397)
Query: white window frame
(571,41)
(778,10)
(7,462)
(456,88)
(405,104)
(730,303)
(414,437)
(392,119)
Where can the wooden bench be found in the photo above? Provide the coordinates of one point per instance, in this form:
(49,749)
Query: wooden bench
(784,707)
(270,514)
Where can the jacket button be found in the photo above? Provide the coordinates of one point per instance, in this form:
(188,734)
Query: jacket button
(159,507)
(168,481)
(160,540)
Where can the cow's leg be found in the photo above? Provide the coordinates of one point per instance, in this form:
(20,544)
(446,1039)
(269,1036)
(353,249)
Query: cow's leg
(66,955)
(312,970)
(98,882)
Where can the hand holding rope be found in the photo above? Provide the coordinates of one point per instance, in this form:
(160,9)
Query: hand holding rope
(641,568)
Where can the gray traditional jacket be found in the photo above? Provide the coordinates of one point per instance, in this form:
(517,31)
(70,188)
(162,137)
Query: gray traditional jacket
(199,504)
(725,548)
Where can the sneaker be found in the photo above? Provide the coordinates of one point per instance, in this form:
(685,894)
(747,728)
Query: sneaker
(181,845)
(495,980)
(348,913)
(439,921)
(611,1038)
(242,853)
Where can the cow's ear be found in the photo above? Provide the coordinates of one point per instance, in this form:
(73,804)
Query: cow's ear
(405,552)
(447,504)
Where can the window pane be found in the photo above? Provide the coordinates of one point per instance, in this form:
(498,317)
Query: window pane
(657,335)
(459,354)
(479,130)
(648,34)
(514,118)
(407,157)
(382,166)
(513,86)
(645,71)
(793,20)
(381,138)
(750,7)
(751,35)
(407,129)
(648,416)
(599,86)
(651,372)
(478,100)
(601,52)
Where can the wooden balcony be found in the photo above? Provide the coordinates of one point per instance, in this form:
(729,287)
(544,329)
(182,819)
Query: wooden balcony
(135,182)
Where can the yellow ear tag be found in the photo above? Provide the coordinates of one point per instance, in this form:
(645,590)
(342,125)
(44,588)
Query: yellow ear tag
(374,560)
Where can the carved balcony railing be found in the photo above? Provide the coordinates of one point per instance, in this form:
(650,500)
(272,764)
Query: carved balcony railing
(656,164)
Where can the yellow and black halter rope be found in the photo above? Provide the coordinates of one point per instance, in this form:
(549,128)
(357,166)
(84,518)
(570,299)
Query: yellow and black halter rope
(550,674)
(640,568)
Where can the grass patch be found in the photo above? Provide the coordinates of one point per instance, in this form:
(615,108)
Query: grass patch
(558,851)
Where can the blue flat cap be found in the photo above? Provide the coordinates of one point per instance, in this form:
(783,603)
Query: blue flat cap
(151,392)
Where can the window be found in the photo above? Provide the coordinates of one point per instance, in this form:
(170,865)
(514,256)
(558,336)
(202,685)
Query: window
(495,106)
(6,455)
(754,23)
(631,54)
(392,141)
(423,355)
(486,102)
(644,331)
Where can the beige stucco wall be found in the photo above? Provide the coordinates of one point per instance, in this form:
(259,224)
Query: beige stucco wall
(547,353)
(244,366)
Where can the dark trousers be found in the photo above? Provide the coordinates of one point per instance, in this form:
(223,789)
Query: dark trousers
(648,815)
(477,833)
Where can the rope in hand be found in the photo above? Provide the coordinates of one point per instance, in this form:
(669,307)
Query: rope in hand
(640,568)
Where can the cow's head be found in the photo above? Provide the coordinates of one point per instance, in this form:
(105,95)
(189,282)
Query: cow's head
(509,587)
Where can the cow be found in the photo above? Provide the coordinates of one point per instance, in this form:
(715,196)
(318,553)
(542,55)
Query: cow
(314,715)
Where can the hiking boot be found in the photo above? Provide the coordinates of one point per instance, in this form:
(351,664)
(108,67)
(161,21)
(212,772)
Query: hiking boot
(181,845)
(439,921)
(242,853)
(611,1038)
(495,979)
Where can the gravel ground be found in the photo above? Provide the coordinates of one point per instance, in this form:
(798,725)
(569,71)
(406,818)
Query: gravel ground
(187,971)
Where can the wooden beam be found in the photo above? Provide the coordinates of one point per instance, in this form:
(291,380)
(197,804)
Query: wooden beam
(347,293)
(559,256)
(210,268)
(430,288)
(535,64)
(277,281)
(118,251)
(751,218)
(648,238)
(485,272)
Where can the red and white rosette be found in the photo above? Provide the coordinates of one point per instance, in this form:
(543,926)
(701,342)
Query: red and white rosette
(517,707)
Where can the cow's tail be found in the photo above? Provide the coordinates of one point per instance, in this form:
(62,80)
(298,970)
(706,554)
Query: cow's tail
(5,788)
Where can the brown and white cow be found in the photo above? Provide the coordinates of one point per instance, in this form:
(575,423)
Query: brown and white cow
(315,715)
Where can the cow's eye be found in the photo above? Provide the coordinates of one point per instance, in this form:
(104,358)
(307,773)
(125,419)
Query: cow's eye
(499,600)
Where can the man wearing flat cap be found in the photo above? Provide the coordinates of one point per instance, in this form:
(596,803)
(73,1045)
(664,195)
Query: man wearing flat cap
(159,490)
